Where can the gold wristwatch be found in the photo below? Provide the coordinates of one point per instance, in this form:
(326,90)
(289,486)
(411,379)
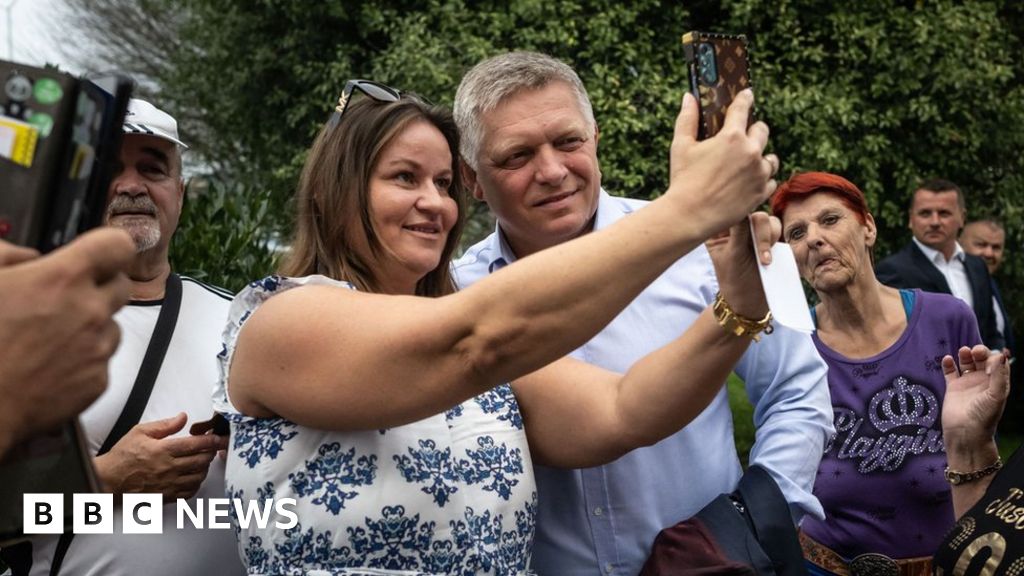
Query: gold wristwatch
(740,325)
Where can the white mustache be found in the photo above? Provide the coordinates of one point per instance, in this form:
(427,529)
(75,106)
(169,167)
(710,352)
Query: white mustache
(125,203)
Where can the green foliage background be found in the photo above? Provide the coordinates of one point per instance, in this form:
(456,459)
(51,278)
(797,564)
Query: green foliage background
(882,92)
(222,235)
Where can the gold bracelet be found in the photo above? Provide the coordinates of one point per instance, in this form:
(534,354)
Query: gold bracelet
(958,478)
(740,325)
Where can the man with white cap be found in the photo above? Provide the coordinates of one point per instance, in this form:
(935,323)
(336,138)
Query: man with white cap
(160,379)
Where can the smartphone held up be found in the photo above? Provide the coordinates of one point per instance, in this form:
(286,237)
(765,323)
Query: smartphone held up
(719,70)
(60,137)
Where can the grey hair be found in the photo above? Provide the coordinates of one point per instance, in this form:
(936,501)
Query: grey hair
(493,80)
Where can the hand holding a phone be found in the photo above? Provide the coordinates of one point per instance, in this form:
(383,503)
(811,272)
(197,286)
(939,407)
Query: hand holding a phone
(57,329)
(722,179)
(151,458)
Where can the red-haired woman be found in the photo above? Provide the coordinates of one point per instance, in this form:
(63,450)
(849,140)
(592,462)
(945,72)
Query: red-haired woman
(881,479)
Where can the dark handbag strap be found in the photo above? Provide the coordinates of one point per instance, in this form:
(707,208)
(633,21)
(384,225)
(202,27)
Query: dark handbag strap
(748,532)
(141,390)
(151,362)
(767,513)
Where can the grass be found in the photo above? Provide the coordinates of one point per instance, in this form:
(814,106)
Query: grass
(742,417)
(743,423)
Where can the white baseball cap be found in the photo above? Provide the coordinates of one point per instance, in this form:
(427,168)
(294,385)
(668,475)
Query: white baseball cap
(144,118)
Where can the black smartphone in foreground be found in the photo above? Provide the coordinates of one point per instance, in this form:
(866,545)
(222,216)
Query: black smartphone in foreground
(60,140)
(60,137)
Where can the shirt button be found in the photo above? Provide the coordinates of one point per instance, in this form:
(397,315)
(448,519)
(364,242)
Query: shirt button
(597,512)
(608,568)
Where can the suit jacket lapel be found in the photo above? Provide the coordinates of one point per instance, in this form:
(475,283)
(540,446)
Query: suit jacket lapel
(976,275)
(998,295)
(1008,335)
(934,281)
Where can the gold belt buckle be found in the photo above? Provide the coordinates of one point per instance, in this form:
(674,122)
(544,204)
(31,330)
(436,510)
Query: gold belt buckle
(872,564)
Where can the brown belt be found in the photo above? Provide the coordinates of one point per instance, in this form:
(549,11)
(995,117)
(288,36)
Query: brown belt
(869,564)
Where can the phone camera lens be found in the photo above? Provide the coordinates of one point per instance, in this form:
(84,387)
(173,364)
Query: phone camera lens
(708,71)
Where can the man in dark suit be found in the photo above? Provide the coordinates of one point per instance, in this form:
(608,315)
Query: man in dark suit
(935,262)
(986,239)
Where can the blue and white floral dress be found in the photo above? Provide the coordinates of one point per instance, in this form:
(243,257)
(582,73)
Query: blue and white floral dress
(450,494)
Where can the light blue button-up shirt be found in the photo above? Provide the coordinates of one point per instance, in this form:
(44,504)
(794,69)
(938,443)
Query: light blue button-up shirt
(603,520)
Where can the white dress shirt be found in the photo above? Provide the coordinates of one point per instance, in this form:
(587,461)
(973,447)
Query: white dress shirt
(1000,319)
(602,520)
(953,270)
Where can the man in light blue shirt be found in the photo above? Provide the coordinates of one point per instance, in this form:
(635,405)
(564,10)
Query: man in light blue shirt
(525,122)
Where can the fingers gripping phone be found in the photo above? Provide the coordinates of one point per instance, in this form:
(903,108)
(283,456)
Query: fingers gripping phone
(719,70)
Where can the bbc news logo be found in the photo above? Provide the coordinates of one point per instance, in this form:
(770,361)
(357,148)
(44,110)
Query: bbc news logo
(144,513)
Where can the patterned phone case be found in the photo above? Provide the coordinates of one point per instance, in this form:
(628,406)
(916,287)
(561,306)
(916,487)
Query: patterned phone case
(719,69)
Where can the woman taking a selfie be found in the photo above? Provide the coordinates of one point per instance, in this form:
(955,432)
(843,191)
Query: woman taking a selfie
(363,385)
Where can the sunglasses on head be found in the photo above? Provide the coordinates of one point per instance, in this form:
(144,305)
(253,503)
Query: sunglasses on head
(375,90)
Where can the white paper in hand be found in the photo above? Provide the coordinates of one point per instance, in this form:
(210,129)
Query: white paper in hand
(783,290)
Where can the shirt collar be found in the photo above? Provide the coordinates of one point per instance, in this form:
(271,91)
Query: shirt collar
(499,244)
(607,214)
(500,247)
(934,255)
